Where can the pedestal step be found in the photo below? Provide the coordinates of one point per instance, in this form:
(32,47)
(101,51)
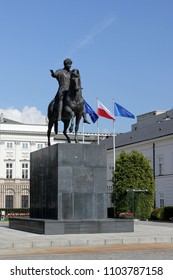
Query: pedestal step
(51,227)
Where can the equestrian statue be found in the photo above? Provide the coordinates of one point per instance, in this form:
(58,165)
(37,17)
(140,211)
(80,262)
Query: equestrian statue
(68,102)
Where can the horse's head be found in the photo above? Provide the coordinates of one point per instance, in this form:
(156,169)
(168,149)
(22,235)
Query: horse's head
(75,80)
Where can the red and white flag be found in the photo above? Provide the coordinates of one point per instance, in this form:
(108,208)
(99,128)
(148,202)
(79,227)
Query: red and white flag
(102,111)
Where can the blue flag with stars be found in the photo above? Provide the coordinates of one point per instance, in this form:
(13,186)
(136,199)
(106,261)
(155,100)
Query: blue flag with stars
(122,112)
(94,117)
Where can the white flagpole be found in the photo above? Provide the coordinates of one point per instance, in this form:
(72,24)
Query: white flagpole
(113,138)
(83,131)
(97,123)
(98,132)
(114,144)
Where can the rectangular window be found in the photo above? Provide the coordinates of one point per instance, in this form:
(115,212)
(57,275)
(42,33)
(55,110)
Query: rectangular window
(25,170)
(9,170)
(25,145)
(161,202)
(40,146)
(9,201)
(25,200)
(9,145)
(160,166)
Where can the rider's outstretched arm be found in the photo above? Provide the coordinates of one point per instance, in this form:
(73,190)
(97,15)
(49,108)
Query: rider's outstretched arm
(52,73)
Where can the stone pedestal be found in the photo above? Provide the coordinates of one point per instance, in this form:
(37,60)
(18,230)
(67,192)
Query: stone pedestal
(68,185)
(68,182)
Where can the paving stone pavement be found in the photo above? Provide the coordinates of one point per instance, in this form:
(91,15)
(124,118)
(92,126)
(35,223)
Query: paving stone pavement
(145,232)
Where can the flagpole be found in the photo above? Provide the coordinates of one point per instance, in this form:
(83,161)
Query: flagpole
(97,132)
(97,123)
(83,131)
(114,144)
(113,138)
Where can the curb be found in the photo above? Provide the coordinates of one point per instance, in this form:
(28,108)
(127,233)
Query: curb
(84,243)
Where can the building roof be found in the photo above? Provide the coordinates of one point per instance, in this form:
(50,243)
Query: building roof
(159,125)
(8,121)
(11,127)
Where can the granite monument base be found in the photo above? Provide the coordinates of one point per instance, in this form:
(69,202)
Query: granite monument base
(68,192)
(69,182)
(53,227)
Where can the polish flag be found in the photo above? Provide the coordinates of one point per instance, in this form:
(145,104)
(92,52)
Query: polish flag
(102,111)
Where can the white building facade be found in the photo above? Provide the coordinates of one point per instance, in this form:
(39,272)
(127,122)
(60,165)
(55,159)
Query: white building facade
(152,135)
(17,141)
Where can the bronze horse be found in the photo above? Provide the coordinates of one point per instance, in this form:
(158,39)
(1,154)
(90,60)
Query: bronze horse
(73,106)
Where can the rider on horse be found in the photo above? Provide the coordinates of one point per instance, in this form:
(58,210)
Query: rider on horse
(63,77)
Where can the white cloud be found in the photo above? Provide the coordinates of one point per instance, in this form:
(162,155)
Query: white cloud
(29,115)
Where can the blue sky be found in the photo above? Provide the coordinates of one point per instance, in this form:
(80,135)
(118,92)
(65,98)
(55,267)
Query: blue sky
(123,49)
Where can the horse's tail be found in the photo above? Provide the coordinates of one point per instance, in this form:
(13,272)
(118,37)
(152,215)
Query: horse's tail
(50,109)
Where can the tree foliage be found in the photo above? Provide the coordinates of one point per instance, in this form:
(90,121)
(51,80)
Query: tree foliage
(133,172)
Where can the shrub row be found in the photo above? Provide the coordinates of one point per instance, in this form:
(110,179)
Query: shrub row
(14,210)
(163,213)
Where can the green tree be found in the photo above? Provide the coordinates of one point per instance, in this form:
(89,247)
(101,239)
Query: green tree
(133,172)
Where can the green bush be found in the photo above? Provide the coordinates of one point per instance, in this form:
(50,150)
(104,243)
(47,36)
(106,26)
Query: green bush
(163,213)
(15,210)
(157,214)
(133,185)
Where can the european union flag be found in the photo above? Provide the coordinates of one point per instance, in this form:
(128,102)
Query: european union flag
(122,112)
(94,117)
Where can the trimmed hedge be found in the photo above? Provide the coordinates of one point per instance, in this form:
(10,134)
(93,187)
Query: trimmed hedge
(15,210)
(157,214)
(163,213)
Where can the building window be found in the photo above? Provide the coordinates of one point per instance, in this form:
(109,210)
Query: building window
(25,170)
(111,168)
(40,146)
(25,200)
(9,170)
(9,145)
(160,166)
(9,201)
(25,145)
(161,202)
